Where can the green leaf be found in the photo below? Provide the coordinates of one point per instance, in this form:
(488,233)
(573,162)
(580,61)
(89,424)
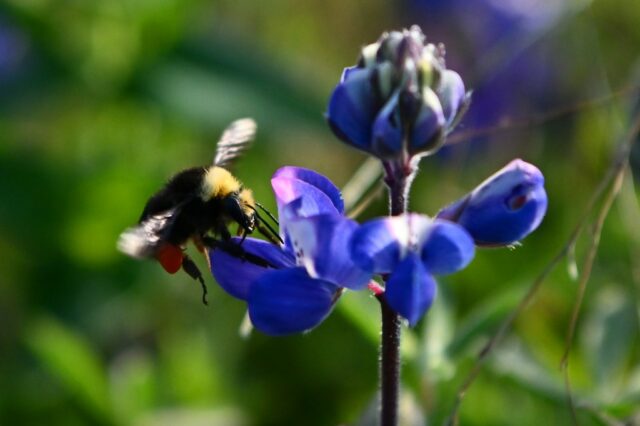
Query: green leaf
(69,358)
(189,367)
(133,384)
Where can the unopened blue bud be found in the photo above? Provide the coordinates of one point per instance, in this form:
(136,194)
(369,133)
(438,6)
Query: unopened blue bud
(399,101)
(505,208)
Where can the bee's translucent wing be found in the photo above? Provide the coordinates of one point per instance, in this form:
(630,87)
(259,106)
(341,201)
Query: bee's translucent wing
(235,140)
(143,240)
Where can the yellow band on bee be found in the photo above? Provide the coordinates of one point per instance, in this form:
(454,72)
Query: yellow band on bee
(218,182)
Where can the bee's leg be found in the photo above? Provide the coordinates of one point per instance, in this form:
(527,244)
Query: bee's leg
(197,241)
(243,235)
(236,250)
(189,266)
(224,233)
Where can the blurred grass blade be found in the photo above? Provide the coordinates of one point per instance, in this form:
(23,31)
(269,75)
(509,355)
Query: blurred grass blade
(187,364)
(69,358)
(362,310)
(192,417)
(512,360)
(629,401)
(608,337)
(484,320)
(369,172)
(134,384)
(437,335)
(572,265)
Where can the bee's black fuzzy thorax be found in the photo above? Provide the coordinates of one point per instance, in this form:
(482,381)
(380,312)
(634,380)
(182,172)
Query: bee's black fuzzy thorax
(205,199)
(180,188)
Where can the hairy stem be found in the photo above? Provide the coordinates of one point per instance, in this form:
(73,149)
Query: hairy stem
(389,364)
(398,183)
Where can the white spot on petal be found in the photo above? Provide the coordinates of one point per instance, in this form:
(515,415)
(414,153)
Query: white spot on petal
(304,241)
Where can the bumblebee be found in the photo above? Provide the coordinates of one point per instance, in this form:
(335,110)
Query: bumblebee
(199,204)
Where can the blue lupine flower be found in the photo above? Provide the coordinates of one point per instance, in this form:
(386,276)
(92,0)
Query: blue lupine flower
(505,208)
(400,100)
(498,55)
(308,272)
(14,47)
(411,249)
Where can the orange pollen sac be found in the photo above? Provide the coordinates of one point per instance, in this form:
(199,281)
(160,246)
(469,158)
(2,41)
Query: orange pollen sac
(170,257)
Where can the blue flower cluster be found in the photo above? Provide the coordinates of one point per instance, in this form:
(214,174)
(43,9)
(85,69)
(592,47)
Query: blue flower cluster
(399,101)
(325,253)
(397,104)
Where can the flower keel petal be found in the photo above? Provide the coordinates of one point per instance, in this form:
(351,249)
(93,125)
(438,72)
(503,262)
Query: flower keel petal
(447,249)
(289,301)
(235,274)
(378,245)
(410,289)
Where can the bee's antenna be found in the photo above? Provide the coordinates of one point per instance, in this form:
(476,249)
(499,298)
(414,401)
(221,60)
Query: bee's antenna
(268,213)
(272,235)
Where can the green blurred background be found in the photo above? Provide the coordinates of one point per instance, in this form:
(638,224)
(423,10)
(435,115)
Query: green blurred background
(100,102)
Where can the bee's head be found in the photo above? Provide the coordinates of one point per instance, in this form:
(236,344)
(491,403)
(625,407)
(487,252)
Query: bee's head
(237,202)
(241,207)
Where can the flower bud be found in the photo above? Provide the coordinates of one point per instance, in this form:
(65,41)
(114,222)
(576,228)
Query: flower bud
(505,208)
(452,96)
(399,100)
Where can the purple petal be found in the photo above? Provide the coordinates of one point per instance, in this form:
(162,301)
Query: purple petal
(322,183)
(352,109)
(410,289)
(321,244)
(289,301)
(387,134)
(235,275)
(505,208)
(447,248)
(310,201)
(426,134)
(451,93)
